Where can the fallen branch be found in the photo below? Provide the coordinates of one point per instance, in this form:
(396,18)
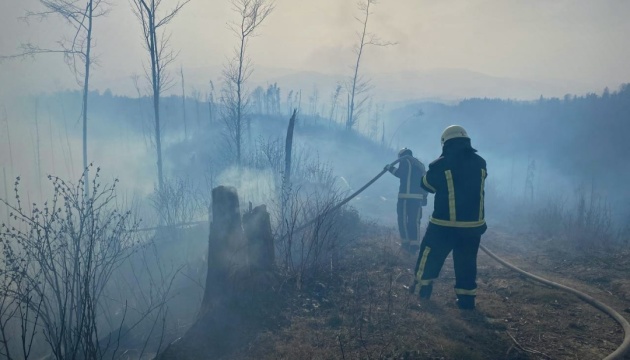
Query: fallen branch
(518,345)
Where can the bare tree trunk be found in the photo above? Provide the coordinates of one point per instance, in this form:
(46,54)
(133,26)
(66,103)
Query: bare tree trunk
(6,192)
(86,84)
(211,104)
(351,121)
(288,147)
(77,49)
(383,135)
(358,86)
(239,104)
(158,137)
(160,58)
(210,112)
(37,149)
(6,119)
(155,77)
(52,142)
(184,102)
(251,14)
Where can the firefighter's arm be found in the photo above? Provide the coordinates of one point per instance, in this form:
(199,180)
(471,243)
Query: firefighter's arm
(391,168)
(426,183)
(402,170)
(430,180)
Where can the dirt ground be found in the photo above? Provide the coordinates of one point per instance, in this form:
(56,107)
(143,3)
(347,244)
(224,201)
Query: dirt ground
(364,311)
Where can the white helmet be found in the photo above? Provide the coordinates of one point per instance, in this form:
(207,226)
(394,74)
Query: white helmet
(452,132)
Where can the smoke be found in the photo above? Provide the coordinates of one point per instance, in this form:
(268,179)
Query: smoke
(253,186)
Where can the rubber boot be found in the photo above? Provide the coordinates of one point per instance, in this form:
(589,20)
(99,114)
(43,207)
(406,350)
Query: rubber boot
(414,247)
(412,287)
(425,291)
(466,302)
(404,244)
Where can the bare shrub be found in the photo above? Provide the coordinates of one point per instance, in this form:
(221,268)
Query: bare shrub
(310,231)
(316,234)
(138,302)
(178,202)
(590,225)
(56,272)
(307,169)
(549,220)
(584,223)
(266,154)
(58,259)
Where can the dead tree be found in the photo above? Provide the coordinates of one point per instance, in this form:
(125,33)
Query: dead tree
(358,85)
(181,72)
(157,44)
(211,104)
(5,118)
(76,50)
(334,101)
(286,178)
(288,148)
(234,97)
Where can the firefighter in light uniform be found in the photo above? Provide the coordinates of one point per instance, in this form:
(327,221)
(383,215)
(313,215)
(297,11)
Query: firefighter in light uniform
(457,179)
(411,198)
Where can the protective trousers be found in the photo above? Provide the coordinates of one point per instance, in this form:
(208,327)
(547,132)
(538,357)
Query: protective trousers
(409,216)
(437,243)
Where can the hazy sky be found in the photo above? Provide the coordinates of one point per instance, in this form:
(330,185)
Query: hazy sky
(581,41)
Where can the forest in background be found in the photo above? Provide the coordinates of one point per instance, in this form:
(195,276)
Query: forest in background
(557,145)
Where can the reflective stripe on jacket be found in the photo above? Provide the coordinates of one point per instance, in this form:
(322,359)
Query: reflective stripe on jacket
(457,179)
(410,172)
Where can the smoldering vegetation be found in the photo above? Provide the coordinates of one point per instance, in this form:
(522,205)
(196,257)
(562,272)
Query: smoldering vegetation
(108,274)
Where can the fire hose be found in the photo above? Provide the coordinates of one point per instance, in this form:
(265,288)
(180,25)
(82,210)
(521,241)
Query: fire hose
(625,345)
(618,354)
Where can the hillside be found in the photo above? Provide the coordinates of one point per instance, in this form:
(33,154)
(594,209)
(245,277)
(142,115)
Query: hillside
(363,310)
(355,304)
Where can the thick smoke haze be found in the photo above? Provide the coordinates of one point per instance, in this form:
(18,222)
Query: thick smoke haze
(542,87)
(556,47)
(445,51)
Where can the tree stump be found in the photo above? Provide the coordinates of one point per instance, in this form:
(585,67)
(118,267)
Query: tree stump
(237,303)
(227,248)
(257,224)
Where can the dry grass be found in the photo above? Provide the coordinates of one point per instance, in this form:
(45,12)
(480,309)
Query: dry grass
(363,311)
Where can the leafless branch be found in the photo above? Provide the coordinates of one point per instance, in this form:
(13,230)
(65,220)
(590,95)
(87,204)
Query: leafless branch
(356,85)
(234,95)
(156,42)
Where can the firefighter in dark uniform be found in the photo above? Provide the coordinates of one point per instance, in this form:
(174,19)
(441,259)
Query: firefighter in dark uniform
(411,198)
(457,179)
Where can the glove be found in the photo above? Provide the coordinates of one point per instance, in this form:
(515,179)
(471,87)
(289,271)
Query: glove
(387,167)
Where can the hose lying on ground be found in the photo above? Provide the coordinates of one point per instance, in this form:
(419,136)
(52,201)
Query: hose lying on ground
(625,345)
(616,355)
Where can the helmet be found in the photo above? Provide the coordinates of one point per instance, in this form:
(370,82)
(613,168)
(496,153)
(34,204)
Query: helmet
(452,132)
(404,152)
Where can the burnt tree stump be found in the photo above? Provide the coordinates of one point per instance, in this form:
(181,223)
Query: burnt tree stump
(227,248)
(257,224)
(237,303)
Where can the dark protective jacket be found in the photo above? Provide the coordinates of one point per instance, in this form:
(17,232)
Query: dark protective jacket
(410,172)
(457,179)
